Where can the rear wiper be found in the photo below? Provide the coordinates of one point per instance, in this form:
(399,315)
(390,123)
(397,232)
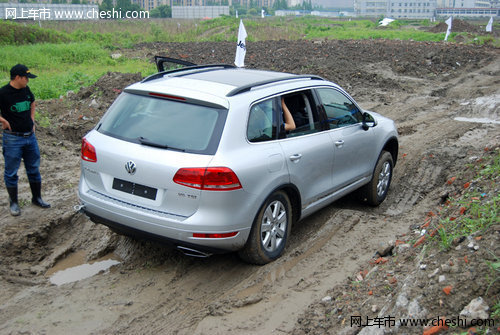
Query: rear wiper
(147,142)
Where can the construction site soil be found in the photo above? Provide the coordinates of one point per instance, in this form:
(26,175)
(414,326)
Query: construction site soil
(444,98)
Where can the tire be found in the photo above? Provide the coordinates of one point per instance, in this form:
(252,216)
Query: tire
(375,192)
(270,230)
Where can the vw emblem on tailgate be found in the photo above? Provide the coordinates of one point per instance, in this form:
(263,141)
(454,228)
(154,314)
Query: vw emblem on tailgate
(130,167)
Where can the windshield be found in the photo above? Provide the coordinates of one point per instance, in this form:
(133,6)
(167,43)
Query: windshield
(164,123)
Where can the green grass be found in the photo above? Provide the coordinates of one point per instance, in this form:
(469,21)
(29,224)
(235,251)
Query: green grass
(64,67)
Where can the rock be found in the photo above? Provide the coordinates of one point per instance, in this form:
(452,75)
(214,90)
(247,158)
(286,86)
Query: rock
(94,104)
(441,278)
(445,268)
(415,311)
(349,331)
(435,272)
(250,300)
(386,249)
(326,300)
(476,309)
(402,300)
(402,248)
(372,331)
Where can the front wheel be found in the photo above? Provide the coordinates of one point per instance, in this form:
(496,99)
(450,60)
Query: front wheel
(270,230)
(375,192)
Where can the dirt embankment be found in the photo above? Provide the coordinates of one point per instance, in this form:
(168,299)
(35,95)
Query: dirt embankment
(431,90)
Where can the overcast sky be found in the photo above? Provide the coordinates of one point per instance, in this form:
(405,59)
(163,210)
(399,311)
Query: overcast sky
(334,3)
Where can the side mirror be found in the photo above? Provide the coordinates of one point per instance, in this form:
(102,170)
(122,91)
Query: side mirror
(368,121)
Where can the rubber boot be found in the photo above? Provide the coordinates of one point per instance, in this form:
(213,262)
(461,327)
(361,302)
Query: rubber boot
(36,191)
(14,206)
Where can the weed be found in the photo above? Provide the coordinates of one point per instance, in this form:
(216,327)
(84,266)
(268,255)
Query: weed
(495,310)
(42,120)
(495,272)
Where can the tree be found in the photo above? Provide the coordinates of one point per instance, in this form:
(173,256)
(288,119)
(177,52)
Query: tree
(106,5)
(280,4)
(126,5)
(161,11)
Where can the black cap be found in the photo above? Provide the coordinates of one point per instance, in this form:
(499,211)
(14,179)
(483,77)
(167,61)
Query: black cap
(21,70)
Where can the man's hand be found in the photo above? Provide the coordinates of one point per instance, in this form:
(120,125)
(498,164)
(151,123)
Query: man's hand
(5,124)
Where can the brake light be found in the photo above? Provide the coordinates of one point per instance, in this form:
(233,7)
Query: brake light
(208,179)
(223,235)
(88,151)
(160,95)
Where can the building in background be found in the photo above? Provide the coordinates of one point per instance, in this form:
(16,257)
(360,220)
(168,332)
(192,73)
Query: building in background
(415,9)
(426,9)
(199,12)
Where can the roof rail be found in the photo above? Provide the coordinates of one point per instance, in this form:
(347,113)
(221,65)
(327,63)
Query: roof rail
(188,70)
(246,88)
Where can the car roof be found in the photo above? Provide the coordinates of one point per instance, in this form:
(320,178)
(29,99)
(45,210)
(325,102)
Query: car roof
(213,83)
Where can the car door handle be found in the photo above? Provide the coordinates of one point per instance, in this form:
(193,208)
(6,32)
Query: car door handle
(339,143)
(295,158)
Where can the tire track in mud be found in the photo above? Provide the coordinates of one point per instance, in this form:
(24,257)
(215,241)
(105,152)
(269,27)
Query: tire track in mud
(284,288)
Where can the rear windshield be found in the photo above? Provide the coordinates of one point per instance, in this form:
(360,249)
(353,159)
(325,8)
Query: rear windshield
(164,123)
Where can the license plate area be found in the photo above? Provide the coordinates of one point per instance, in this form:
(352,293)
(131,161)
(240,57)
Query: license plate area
(135,189)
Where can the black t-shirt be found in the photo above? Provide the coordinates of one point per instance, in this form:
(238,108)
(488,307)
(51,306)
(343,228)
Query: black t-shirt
(15,105)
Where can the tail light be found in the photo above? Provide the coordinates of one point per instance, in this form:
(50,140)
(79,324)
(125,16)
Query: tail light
(209,179)
(215,235)
(88,151)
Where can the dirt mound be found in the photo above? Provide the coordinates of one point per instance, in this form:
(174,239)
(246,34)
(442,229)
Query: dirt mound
(456,26)
(77,113)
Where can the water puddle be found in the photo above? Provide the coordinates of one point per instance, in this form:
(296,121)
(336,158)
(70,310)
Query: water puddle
(476,120)
(74,268)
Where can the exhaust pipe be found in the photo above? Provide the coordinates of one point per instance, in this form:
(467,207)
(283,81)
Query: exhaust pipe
(79,208)
(193,252)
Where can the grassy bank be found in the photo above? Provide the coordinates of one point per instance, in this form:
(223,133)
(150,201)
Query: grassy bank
(64,67)
(121,33)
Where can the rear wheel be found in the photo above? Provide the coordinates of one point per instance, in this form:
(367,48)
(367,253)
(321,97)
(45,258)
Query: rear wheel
(270,230)
(375,192)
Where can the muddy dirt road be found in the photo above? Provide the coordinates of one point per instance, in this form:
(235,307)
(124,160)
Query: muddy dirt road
(445,101)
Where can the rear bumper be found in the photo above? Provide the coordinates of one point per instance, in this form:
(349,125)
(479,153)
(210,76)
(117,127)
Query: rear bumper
(136,233)
(176,231)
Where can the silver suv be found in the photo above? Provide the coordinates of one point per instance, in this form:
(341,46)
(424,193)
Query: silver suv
(199,157)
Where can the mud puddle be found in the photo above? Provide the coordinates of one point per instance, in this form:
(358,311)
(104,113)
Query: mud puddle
(75,268)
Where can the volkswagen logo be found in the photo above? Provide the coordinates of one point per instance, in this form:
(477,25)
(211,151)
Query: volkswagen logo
(130,167)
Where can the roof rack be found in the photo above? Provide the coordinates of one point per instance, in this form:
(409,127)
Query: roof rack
(246,88)
(189,69)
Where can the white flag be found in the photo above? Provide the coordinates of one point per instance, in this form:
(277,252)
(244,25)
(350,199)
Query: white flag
(489,26)
(448,31)
(241,48)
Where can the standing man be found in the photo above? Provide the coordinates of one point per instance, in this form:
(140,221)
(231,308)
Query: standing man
(17,106)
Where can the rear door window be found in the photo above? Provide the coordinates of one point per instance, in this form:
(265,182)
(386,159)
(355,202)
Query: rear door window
(262,123)
(164,123)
